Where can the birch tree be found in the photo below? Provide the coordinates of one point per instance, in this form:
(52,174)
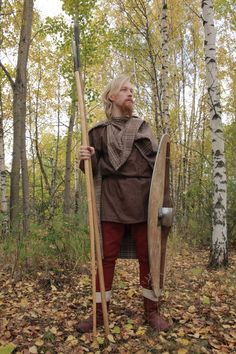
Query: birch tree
(3,202)
(164,68)
(3,205)
(19,87)
(67,193)
(219,254)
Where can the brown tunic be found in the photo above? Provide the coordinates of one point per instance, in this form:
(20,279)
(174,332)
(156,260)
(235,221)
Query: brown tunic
(125,191)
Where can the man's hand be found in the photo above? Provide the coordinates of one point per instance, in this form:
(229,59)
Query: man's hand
(86,152)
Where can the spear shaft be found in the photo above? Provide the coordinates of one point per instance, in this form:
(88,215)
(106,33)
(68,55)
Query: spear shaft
(93,219)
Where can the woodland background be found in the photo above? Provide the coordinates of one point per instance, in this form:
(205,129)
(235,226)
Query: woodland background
(116,37)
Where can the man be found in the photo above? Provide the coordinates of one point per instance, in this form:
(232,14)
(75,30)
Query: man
(123,152)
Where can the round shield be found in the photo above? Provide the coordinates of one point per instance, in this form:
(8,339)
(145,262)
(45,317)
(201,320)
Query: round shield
(158,198)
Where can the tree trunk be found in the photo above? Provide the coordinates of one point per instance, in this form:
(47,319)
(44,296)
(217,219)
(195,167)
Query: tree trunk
(4,222)
(77,185)
(55,162)
(25,179)
(19,115)
(219,252)
(164,69)
(67,193)
(33,158)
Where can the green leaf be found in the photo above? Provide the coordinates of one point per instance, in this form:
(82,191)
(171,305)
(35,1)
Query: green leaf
(128,326)
(121,285)
(100,340)
(116,330)
(196,271)
(206,300)
(8,348)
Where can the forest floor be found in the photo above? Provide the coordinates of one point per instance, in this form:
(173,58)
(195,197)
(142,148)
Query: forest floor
(38,314)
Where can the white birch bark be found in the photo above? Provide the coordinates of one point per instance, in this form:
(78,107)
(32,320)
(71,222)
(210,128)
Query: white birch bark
(3,207)
(67,192)
(219,254)
(164,68)
(2,172)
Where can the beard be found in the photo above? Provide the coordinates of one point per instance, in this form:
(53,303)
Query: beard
(127,108)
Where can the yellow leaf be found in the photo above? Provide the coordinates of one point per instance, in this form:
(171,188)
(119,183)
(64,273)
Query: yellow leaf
(8,348)
(181,333)
(53,330)
(191,309)
(183,341)
(162,339)
(24,302)
(128,326)
(131,292)
(111,338)
(141,331)
(100,340)
(39,342)
(33,350)
(158,347)
(72,340)
(95,345)
(182,351)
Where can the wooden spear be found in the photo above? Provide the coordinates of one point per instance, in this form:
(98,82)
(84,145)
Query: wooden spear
(93,220)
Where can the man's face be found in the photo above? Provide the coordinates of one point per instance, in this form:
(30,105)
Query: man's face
(123,101)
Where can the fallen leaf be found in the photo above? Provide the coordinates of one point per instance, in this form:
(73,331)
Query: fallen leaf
(206,300)
(53,330)
(72,340)
(8,348)
(100,340)
(39,342)
(128,326)
(192,309)
(131,292)
(141,331)
(116,330)
(33,349)
(111,338)
(183,341)
(24,302)
(196,271)
(182,351)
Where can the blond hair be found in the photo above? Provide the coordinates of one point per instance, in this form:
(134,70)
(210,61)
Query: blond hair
(111,89)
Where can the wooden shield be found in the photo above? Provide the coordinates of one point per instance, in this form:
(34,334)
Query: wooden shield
(159,197)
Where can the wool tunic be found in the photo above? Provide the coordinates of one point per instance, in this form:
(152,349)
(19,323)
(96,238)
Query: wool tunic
(124,191)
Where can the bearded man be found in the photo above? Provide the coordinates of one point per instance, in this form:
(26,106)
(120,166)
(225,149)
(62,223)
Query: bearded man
(122,151)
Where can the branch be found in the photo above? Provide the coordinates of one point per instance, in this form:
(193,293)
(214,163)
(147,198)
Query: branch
(12,83)
(193,10)
(195,150)
(36,33)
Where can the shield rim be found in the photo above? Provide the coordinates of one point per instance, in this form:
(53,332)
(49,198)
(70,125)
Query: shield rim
(156,201)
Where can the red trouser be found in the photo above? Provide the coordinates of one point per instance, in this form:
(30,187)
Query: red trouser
(112,237)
